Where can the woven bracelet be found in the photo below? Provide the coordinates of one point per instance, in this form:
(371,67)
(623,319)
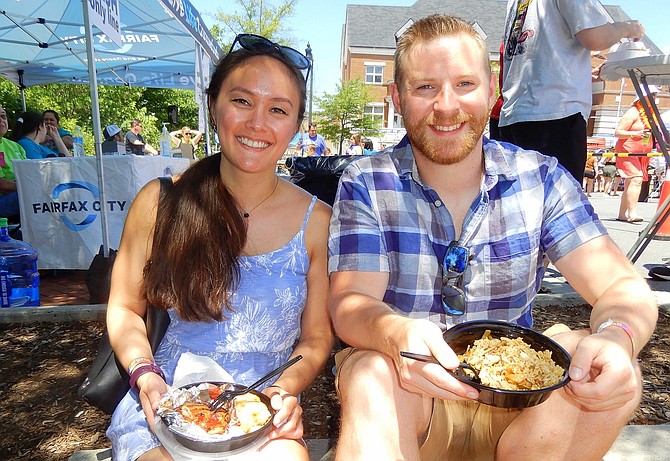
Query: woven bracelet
(137,362)
(144,369)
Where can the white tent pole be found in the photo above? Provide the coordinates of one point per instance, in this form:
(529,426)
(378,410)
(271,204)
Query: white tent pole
(203,94)
(95,106)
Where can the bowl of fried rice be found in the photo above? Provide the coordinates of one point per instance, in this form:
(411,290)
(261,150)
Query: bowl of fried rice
(186,414)
(518,367)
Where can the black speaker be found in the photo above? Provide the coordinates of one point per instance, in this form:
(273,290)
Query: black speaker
(173,114)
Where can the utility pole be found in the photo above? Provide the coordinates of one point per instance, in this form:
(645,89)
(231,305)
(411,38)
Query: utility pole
(308,55)
(260,18)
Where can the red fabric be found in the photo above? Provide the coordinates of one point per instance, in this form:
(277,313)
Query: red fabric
(495,111)
(632,167)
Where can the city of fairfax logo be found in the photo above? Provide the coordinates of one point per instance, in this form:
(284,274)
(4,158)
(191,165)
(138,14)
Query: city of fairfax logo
(77,203)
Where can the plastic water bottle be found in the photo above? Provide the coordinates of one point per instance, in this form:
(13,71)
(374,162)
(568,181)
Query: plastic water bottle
(164,142)
(78,140)
(19,278)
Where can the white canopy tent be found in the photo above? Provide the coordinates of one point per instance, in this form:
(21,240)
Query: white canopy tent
(162,44)
(44,41)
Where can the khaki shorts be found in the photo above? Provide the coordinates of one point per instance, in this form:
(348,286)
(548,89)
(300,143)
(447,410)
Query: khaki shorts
(461,430)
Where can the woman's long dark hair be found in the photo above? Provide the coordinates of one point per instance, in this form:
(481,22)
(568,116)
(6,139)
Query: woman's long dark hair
(198,238)
(200,232)
(26,123)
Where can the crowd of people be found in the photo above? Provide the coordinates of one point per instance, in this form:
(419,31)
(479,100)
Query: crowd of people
(311,143)
(35,136)
(629,164)
(41,136)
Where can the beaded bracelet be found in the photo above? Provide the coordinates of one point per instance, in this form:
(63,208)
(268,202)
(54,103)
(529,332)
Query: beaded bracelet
(623,326)
(137,362)
(142,370)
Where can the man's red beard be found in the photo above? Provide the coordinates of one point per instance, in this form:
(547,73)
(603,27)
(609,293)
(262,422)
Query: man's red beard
(446,151)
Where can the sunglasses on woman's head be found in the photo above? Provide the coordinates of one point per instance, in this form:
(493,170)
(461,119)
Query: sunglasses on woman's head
(258,44)
(455,262)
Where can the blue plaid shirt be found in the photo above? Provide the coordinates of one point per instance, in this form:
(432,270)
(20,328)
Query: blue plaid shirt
(386,220)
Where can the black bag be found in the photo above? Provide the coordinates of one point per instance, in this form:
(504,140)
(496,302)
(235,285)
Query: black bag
(107,381)
(319,175)
(99,276)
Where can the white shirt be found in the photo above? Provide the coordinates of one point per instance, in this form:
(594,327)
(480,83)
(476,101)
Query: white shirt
(546,71)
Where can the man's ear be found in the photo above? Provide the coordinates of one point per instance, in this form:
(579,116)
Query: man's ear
(395,97)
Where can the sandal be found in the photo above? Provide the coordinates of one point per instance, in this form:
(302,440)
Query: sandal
(630,220)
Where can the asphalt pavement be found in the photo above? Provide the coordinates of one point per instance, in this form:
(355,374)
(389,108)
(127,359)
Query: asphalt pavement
(626,236)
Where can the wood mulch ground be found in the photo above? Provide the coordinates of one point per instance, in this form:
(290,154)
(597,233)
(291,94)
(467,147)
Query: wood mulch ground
(42,419)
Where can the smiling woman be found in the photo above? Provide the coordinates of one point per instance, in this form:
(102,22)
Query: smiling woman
(253,246)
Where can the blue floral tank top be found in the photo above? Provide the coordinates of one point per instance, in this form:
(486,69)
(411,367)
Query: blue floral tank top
(264,326)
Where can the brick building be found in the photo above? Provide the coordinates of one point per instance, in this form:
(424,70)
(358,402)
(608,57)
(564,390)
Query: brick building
(368,45)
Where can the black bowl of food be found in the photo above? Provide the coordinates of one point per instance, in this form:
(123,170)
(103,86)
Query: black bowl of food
(518,367)
(185,413)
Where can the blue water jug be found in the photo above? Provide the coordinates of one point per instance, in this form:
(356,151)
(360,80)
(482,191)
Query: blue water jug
(19,278)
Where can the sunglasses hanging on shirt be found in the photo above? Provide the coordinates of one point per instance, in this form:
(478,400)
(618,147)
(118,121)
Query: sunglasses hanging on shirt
(455,262)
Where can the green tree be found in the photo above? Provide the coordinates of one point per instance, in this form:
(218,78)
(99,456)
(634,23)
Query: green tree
(342,114)
(10,100)
(254,17)
(118,105)
(160,98)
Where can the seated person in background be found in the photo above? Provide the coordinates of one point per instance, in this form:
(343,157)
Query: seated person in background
(9,151)
(114,142)
(135,143)
(187,141)
(30,131)
(50,117)
(449,227)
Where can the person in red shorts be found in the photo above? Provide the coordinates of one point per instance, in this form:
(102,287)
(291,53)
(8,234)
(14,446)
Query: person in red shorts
(634,137)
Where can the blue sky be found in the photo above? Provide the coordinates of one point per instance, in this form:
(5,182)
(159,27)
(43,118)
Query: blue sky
(320,23)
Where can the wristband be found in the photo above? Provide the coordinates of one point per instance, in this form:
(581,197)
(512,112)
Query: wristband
(137,362)
(623,326)
(142,370)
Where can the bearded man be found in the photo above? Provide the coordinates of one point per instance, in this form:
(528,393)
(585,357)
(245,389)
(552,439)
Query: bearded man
(448,227)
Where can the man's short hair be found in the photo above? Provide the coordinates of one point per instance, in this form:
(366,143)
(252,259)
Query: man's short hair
(431,28)
(135,122)
(312,125)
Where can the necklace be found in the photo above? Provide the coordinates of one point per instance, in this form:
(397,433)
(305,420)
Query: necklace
(246,214)
(643,115)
